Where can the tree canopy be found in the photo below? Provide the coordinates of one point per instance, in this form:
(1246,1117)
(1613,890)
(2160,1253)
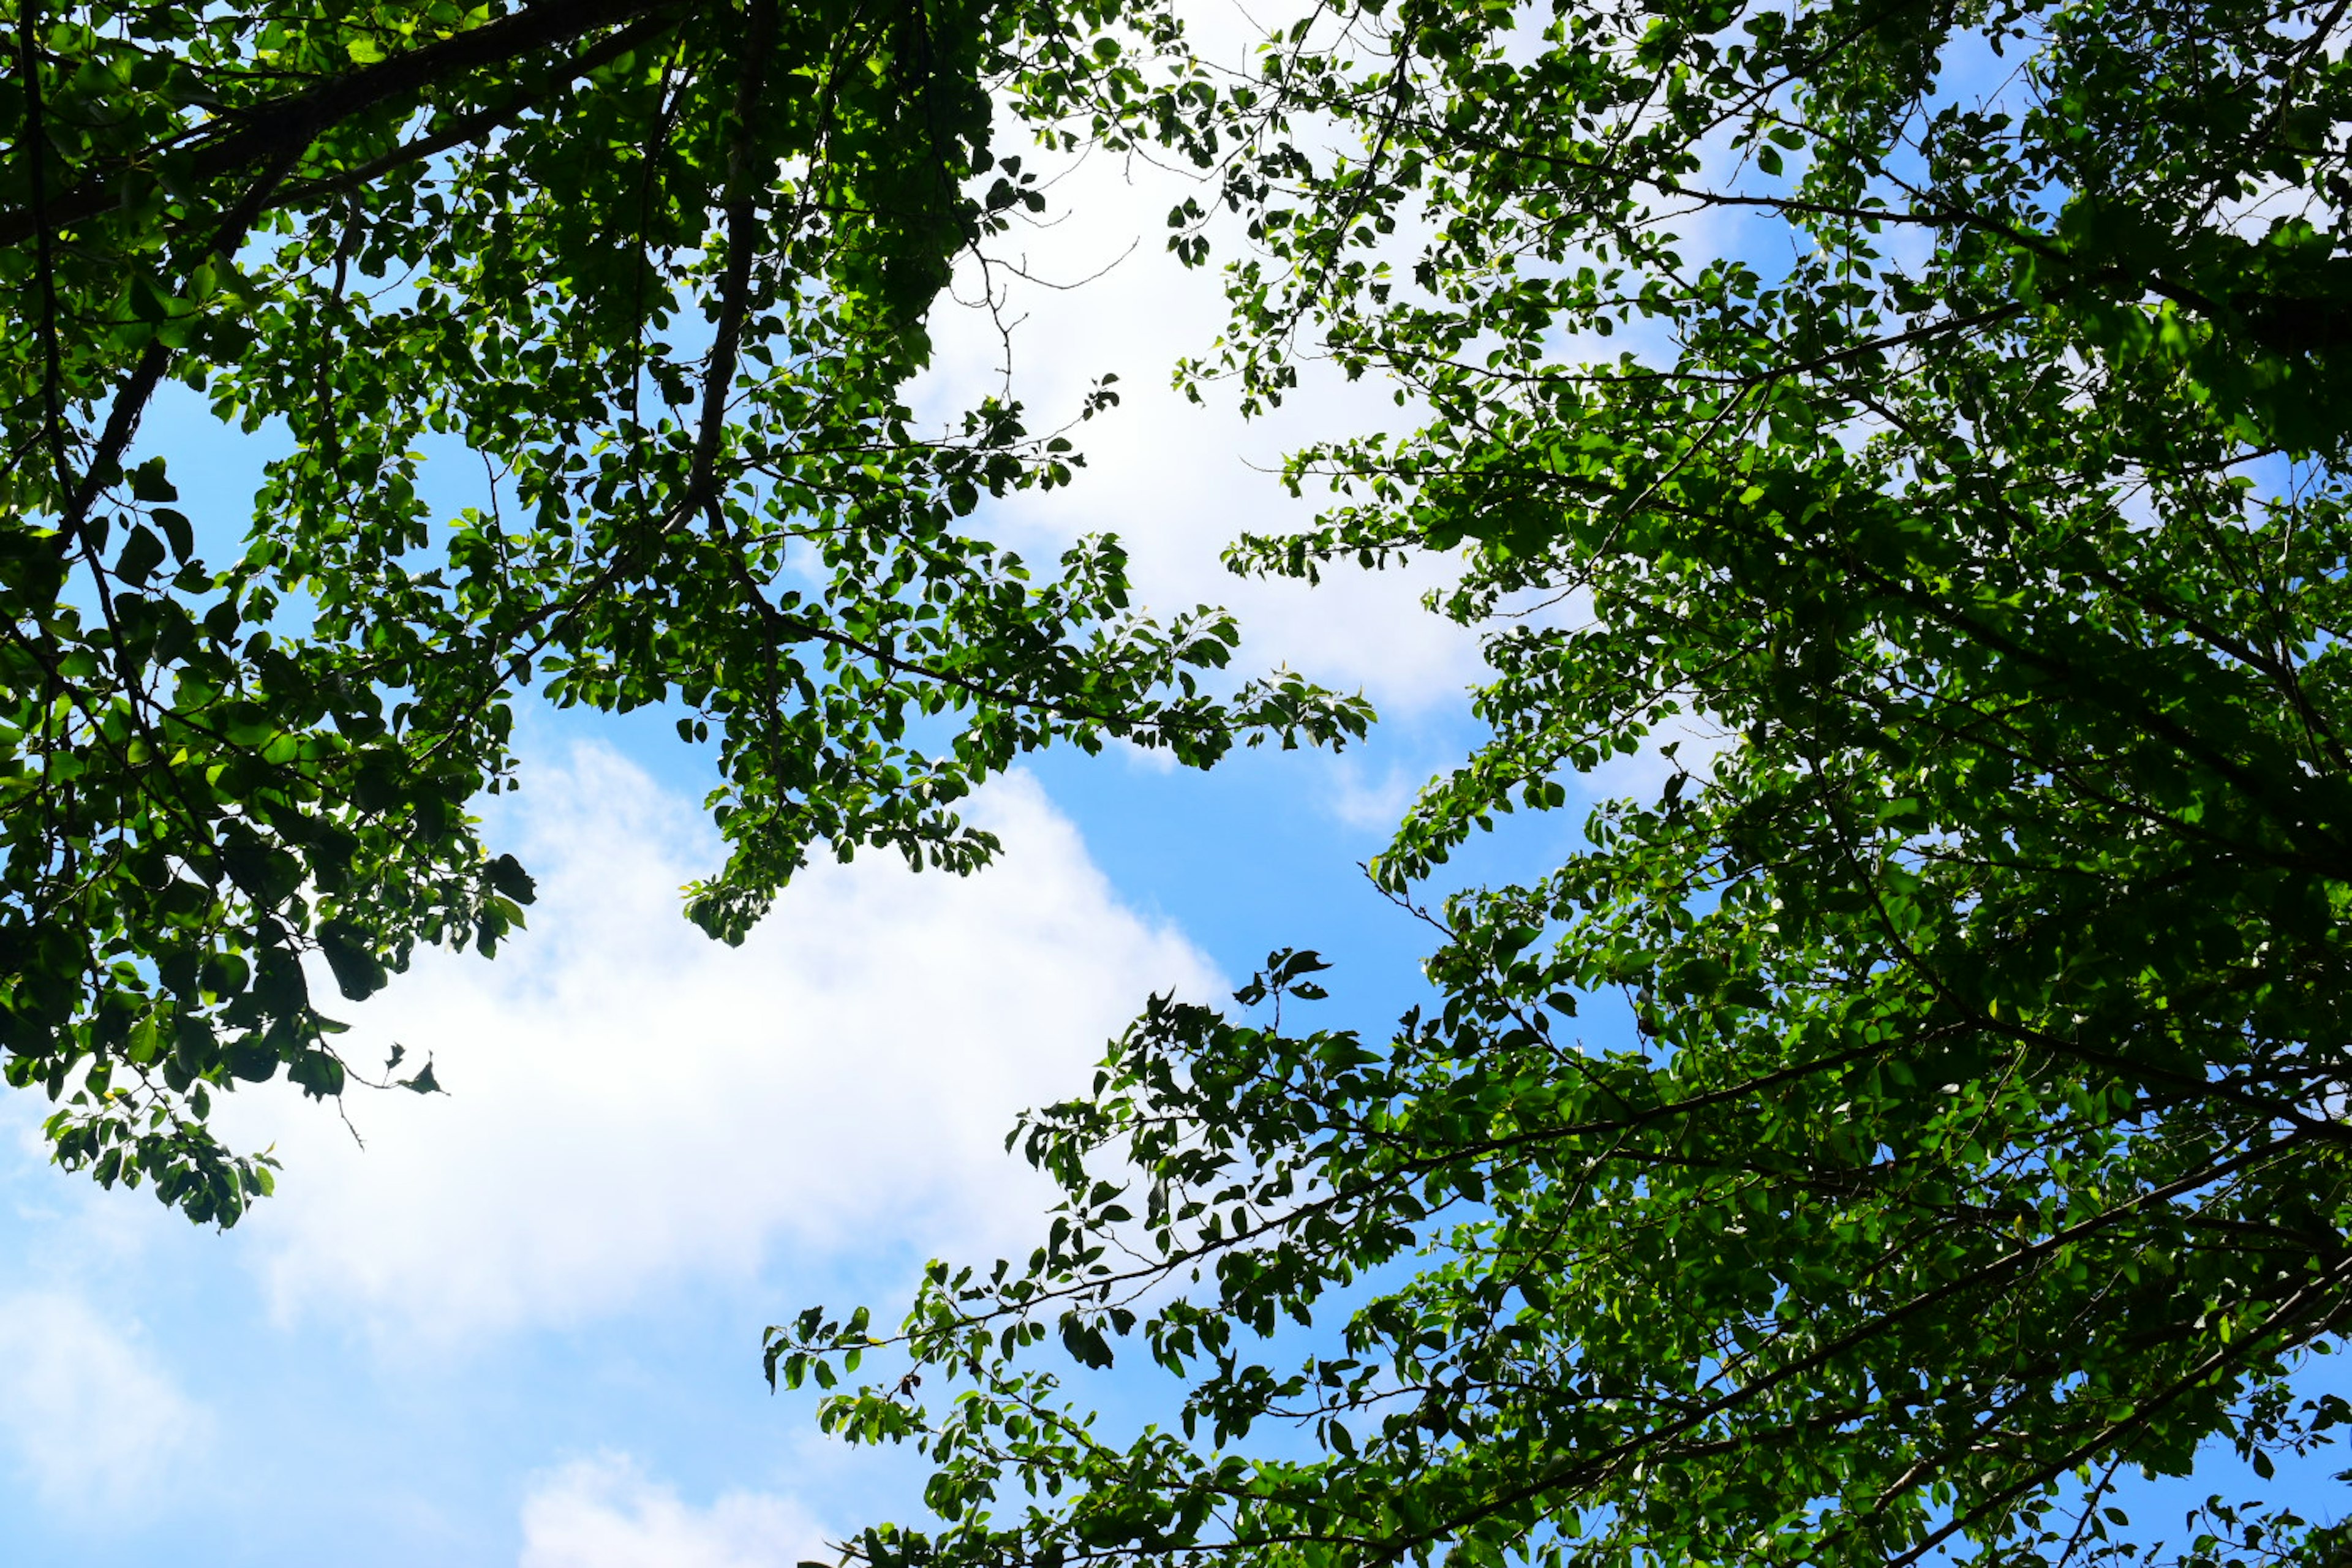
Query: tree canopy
(1922,422)
(1931,417)
(650,278)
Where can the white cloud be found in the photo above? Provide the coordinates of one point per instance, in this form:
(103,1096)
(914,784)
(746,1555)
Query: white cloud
(88,1420)
(1643,773)
(1361,801)
(632,1106)
(604,1513)
(1178,481)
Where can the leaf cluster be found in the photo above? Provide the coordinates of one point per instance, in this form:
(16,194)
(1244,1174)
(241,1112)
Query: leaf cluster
(658,273)
(1921,424)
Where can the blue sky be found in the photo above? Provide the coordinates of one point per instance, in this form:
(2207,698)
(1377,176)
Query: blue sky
(522,1325)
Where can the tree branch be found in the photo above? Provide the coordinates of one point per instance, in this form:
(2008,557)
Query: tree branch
(472,127)
(743,219)
(45,282)
(130,401)
(268,130)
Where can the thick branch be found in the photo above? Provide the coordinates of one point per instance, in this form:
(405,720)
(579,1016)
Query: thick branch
(472,127)
(130,401)
(742,243)
(267,132)
(44,270)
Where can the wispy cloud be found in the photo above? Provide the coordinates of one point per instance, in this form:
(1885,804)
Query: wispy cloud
(89,1417)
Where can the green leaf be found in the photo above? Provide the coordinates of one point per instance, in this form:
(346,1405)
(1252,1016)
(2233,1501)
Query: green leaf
(359,973)
(141,553)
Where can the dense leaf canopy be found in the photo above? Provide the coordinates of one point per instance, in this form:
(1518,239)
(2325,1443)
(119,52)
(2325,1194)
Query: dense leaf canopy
(649,277)
(1931,418)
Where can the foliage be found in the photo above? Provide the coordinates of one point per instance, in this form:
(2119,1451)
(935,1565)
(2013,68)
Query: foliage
(659,271)
(1965,500)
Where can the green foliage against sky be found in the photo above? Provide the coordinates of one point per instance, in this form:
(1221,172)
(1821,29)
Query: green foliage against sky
(648,278)
(1926,424)
(1922,423)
